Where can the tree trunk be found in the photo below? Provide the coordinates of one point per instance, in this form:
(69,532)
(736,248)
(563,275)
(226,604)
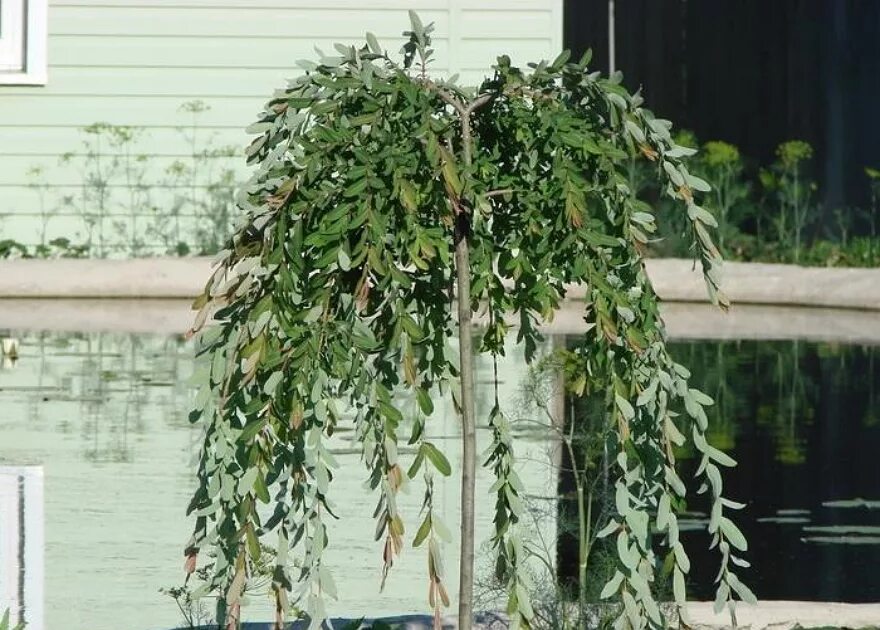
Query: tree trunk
(468,422)
(466,367)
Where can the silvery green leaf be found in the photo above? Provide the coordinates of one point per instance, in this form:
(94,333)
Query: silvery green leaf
(681,557)
(700,397)
(696,213)
(441,529)
(714,476)
(609,529)
(678,588)
(621,499)
(673,173)
(374,43)
(635,131)
(741,589)
(698,184)
(652,609)
(720,457)
(663,511)
(631,608)
(734,505)
(647,394)
(625,407)
(611,586)
(721,597)
(246,483)
(673,480)
(679,152)
(733,534)
(325,579)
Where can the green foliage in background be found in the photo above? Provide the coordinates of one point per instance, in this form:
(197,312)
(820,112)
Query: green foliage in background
(776,218)
(124,206)
(124,209)
(5,624)
(378,191)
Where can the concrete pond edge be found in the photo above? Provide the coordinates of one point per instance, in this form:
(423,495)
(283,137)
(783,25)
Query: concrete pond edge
(675,280)
(765,615)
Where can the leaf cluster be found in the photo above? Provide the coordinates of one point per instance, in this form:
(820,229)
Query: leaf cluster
(333,304)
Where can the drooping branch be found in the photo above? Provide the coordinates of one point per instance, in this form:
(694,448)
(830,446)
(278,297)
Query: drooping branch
(360,215)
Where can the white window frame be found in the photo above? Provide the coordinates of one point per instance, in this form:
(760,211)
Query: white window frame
(23,42)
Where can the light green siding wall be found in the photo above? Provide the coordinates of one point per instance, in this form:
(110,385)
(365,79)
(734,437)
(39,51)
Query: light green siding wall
(135,62)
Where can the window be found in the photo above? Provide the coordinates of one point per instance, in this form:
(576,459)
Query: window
(23,42)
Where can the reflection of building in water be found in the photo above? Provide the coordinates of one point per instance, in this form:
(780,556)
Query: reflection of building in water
(21,544)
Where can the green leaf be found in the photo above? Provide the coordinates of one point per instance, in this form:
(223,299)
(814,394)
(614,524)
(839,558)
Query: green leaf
(561,59)
(417,464)
(625,407)
(438,459)
(373,43)
(450,171)
(424,400)
(423,532)
(678,588)
(663,512)
(611,586)
(741,589)
(733,534)
(696,213)
(251,429)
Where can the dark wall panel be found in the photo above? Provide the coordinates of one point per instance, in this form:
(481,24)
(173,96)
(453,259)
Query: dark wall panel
(754,73)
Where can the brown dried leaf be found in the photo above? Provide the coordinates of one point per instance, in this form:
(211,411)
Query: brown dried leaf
(189,564)
(648,152)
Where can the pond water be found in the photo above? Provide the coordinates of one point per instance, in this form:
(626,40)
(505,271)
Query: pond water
(803,421)
(96,461)
(96,469)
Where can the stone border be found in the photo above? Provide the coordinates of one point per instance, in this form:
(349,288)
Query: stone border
(684,320)
(675,280)
(787,615)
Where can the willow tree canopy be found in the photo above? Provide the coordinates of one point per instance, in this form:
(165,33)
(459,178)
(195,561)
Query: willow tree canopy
(333,306)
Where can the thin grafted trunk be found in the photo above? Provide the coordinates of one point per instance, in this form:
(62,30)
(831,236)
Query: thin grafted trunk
(468,427)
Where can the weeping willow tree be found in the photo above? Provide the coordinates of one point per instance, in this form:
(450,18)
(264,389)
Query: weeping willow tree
(380,194)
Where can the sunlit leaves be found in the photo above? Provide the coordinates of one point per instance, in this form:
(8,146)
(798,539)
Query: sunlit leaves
(333,304)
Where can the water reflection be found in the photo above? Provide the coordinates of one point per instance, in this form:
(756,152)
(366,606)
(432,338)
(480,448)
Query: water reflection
(22,544)
(802,421)
(105,414)
(105,417)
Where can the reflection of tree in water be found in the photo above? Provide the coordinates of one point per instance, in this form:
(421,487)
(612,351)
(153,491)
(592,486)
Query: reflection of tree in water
(111,380)
(778,385)
(795,404)
(711,365)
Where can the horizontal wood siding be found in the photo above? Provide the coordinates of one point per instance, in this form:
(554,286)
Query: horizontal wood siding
(137,62)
